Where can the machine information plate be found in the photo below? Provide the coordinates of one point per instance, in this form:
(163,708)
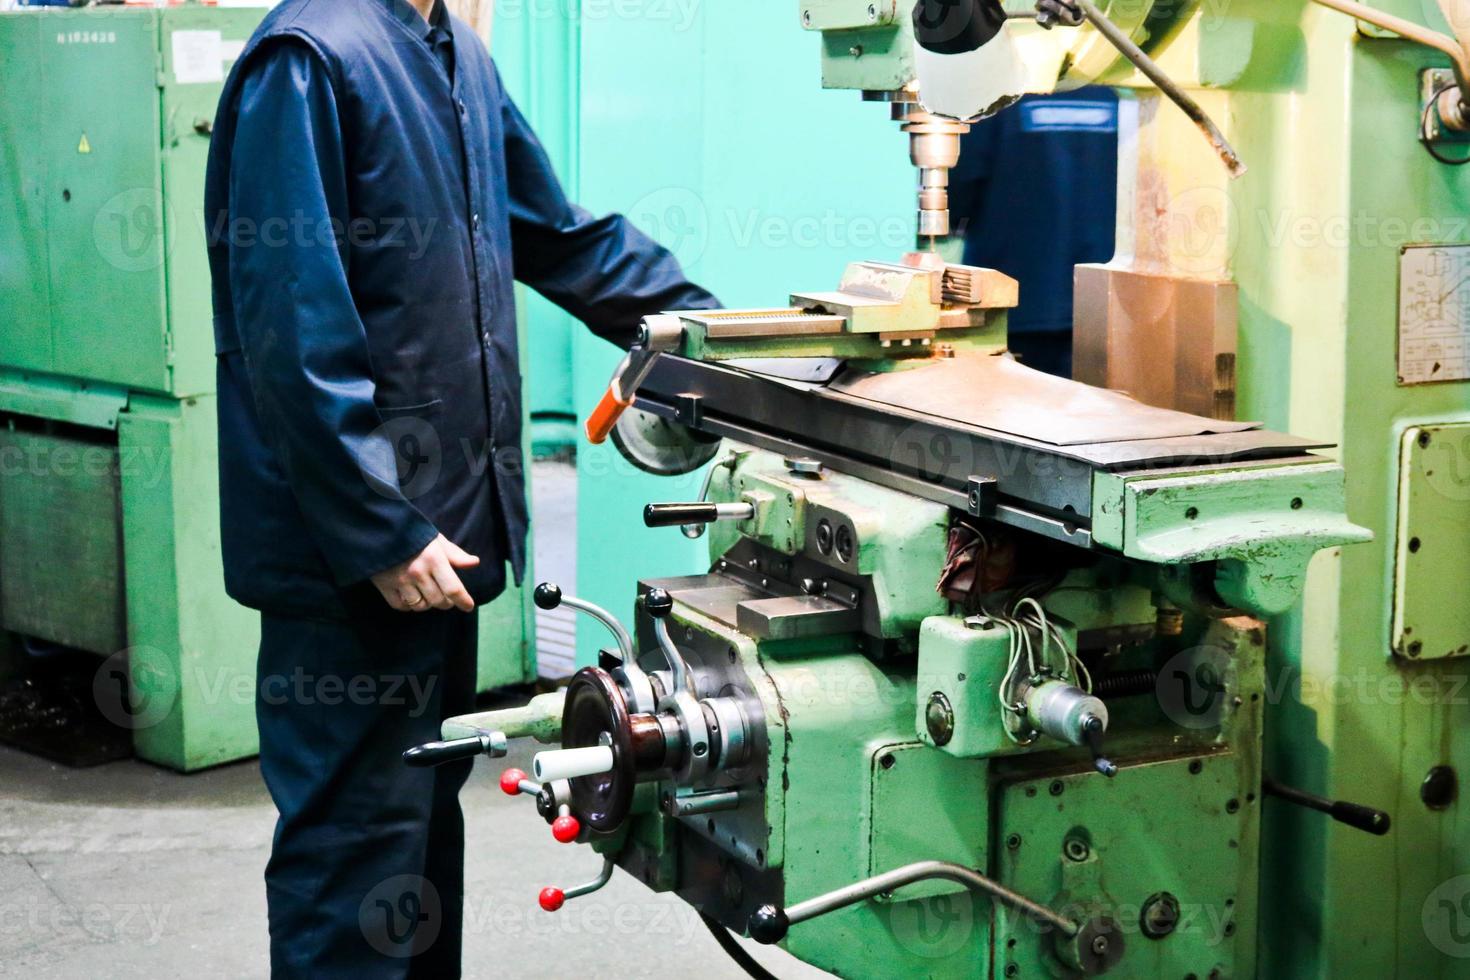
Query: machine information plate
(198,57)
(1434,314)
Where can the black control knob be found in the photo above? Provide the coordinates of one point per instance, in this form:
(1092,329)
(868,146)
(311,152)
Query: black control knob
(658,603)
(547,596)
(768,925)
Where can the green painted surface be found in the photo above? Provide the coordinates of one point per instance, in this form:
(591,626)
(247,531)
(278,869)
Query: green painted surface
(538,53)
(713,134)
(965,664)
(1326,118)
(1431,619)
(191,648)
(897,540)
(104,301)
(1262,525)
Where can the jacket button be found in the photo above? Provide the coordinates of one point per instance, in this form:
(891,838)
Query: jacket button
(475,221)
(462,109)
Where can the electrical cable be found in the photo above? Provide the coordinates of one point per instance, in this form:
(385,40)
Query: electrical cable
(735,951)
(1426,140)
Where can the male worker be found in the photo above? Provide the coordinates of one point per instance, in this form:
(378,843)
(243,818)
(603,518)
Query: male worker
(372,194)
(1035,194)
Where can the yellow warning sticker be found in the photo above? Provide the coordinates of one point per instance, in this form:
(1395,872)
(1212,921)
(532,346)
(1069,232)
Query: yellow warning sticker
(84,146)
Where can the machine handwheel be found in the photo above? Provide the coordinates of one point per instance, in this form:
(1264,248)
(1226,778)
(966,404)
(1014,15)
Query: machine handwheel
(595,704)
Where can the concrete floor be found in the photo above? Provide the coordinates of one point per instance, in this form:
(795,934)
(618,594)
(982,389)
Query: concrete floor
(128,870)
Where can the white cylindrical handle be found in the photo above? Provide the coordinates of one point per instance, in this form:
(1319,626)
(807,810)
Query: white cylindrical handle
(571,763)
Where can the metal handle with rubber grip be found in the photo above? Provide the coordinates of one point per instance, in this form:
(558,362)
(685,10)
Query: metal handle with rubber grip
(699,512)
(1361,817)
(609,409)
(1365,818)
(673,515)
(438,753)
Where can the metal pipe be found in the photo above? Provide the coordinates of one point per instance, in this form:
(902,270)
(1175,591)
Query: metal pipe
(1120,40)
(923,871)
(1410,31)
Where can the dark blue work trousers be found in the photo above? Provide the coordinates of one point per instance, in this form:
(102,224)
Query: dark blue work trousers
(366,875)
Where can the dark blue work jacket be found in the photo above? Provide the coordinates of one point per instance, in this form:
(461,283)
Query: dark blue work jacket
(372,194)
(1036,192)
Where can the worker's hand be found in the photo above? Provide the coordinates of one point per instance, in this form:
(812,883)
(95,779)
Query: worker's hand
(428,581)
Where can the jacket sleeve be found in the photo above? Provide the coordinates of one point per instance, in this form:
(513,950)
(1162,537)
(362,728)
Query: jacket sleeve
(304,346)
(603,271)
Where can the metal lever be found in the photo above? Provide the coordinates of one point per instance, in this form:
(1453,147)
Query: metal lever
(548,596)
(659,604)
(703,512)
(1093,728)
(493,744)
(1093,947)
(1355,815)
(554,898)
(565,828)
(769,924)
(655,335)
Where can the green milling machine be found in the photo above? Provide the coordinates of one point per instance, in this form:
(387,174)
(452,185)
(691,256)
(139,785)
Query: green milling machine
(994,674)
(109,504)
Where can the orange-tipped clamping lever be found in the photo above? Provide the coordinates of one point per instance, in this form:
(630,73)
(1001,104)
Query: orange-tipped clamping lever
(656,335)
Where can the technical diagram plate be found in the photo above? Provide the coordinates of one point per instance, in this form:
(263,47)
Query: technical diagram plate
(1434,314)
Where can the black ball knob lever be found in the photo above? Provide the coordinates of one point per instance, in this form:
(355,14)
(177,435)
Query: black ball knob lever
(547,595)
(768,925)
(658,603)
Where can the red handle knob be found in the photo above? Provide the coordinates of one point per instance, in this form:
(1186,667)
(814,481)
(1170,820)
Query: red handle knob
(566,828)
(510,781)
(552,899)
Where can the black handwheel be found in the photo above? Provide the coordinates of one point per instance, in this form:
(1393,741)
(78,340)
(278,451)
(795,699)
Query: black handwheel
(595,704)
